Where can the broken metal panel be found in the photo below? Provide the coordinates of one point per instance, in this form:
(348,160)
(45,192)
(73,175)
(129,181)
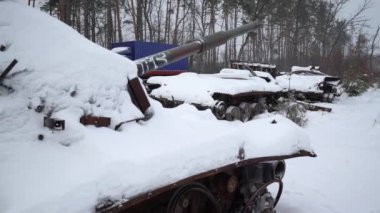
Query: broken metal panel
(138,95)
(96,121)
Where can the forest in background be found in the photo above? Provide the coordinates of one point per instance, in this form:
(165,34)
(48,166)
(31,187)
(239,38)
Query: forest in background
(291,32)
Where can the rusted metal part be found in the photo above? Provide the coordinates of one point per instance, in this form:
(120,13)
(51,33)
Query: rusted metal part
(7,70)
(96,121)
(138,95)
(122,206)
(54,124)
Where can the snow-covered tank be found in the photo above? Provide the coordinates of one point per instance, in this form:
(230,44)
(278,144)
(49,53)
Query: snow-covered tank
(311,84)
(78,134)
(231,94)
(305,83)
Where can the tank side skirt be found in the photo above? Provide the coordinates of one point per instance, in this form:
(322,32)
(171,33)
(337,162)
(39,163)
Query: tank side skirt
(121,206)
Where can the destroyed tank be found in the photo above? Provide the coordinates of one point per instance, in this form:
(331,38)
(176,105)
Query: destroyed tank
(231,94)
(309,83)
(303,83)
(78,133)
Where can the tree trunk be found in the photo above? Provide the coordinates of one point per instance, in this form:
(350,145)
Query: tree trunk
(373,48)
(176,25)
(86,19)
(64,11)
(109,27)
(93,21)
(118,21)
(139,22)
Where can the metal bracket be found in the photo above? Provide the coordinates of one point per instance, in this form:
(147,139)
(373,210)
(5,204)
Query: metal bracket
(96,121)
(54,124)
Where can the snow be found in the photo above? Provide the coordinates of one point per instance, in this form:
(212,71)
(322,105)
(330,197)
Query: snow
(199,88)
(235,73)
(255,64)
(309,68)
(302,83)
(265,75)
(344,177)
(121,50)
(50,68)
(71,170)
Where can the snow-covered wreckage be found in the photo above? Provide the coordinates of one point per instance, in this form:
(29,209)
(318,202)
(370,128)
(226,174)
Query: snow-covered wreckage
(62,99)
(306,83)
(231,94)
(311,84)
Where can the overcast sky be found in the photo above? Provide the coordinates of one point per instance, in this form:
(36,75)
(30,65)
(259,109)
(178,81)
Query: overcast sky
(372,13)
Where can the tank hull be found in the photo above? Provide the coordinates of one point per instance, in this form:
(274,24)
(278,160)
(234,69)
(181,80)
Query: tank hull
(217,183)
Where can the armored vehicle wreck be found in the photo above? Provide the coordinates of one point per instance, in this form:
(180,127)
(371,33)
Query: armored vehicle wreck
(231,94)
(311,84)
(60,151)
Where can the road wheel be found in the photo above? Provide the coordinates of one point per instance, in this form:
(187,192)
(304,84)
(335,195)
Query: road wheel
(233,113)
(193,198)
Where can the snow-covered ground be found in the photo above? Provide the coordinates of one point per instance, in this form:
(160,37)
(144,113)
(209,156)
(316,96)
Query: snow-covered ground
(345,175)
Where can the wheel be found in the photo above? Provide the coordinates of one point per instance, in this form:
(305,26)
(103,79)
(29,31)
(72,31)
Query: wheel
(245,111)
(219,110)
(233,113)
(261,201)
(330,98)
(193,198)
(257,108)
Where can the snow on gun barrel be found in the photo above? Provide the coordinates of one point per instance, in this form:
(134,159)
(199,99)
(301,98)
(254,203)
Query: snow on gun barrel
(78,167)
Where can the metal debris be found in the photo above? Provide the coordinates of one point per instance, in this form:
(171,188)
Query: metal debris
(96,121)
(54,124)
(7,70)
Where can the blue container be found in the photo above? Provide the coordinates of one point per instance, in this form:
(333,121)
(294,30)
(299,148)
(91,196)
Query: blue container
(140,49)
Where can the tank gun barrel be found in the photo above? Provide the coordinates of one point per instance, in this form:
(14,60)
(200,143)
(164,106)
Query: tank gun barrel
(164,58)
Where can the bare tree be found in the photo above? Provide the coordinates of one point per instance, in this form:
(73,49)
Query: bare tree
(373,48)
